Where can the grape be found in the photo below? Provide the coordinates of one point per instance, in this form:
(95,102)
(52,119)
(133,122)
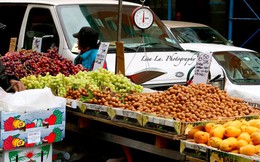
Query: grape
(28,62)
(89,80)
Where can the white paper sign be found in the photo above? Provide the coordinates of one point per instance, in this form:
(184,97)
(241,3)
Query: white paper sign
(202,68)
(34,137)
(37,44)
(101,55)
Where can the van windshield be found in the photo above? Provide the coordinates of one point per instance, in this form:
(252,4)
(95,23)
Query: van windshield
(242,67)
(104,18)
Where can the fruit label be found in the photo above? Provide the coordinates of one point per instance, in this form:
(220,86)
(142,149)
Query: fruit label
(139,118)
(82,107)
(34,137)
(145,120)
(111,112)
(177,126)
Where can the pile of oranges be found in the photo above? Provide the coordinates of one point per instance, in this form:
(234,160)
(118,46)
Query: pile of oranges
(238,136)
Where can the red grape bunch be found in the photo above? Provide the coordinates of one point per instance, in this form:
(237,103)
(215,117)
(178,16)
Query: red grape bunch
(28,62)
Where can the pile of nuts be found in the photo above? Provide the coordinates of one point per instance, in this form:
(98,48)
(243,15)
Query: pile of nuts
(196,102)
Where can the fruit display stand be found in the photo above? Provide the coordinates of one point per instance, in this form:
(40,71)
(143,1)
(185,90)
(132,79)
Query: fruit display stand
(125,134)
(153,122)
(166,136)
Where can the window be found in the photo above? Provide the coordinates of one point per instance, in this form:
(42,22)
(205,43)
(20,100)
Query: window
(40,24)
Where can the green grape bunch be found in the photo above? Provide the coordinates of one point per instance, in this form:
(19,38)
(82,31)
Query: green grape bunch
(90,80)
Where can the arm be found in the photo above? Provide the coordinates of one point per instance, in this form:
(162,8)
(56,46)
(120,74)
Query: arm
(10,82)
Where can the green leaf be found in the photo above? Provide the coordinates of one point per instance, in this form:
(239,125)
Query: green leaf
(12,155)
(46,150)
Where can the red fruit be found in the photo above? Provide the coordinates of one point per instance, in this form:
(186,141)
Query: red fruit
(29,145)
(8,124)
(52,119)
(52,137)
(30,125)
(7,145)
(29,154)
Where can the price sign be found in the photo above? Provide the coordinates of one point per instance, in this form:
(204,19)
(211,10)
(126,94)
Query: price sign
(202,68)
(34,137)
(101,55)
(37,44)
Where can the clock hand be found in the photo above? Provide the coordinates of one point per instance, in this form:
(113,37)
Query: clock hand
(143,16)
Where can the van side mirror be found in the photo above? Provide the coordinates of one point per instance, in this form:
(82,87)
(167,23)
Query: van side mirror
(2,26)
(230,42)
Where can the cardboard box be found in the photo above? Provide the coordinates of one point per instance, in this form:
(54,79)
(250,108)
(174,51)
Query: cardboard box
(37,154)
(23,121)
(27,129)
(32,137)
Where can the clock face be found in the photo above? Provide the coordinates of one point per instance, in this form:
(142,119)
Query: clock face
(143,17)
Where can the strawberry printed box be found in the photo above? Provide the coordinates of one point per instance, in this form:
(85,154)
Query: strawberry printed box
(33,154)
(27,129)
(23,121)
(11,140)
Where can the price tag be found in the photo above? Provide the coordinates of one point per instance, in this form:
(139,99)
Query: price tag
(34,137)
(202,68)
(37,44)
(101,55)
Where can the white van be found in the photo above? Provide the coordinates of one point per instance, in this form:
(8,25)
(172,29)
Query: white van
(153,49)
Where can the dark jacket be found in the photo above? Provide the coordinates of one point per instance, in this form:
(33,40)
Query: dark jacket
(4,78)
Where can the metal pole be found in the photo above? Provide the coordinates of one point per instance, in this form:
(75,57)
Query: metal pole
(169,9)
(119,20)
(230,26)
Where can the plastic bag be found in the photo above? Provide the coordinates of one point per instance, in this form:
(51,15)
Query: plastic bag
(28,100)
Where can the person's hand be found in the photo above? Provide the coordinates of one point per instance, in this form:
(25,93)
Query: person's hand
(17,85)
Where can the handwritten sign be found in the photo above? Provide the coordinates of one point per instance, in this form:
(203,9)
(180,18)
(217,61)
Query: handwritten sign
(37,44)
(202,68)
(101,55)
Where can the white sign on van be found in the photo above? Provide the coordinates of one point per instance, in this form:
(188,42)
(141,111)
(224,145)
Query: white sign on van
(37,44)
(101,55)
(202,68)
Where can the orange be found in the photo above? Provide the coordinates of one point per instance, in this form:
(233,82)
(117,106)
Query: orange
(247,150)
(226,145)
(214,142)
(218,131)
(244,136)
(201,137)
(255,137)
(193,130)
(232,131)
(250,129)
(208,127)
(241,143)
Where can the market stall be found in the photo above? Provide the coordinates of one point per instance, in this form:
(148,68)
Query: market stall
(158,122)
